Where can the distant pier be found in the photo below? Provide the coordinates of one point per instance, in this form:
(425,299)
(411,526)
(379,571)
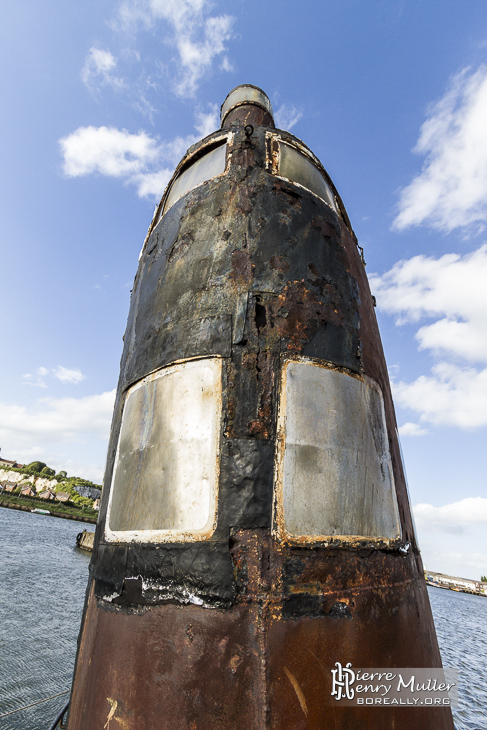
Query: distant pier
(452,583)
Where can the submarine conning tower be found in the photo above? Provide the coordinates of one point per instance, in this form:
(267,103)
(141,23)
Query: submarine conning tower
(255,526)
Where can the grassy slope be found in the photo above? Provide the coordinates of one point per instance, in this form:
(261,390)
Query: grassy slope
(57,509)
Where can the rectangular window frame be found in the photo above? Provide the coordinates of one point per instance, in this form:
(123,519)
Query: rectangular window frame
(173,535)
(160,210)
(273,161)
(279,531)
(186,162)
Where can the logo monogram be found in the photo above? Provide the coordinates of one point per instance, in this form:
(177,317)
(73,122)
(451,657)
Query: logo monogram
(343,678)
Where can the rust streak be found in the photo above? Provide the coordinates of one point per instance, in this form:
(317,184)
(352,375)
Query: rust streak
(327,230)
(242,268)
(279,263)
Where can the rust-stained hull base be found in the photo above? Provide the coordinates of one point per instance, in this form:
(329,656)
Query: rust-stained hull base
(266,662)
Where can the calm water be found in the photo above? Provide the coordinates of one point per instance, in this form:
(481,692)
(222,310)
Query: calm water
(461,627)
(43,577)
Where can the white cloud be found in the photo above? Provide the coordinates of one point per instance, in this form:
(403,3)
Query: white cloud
(197,36)
(144,106)
(411,429)
(287,116)
(451,290)
(226,65)
(207,122)
(115,153)
(453,517)
(66,433)
(57,419)
(36,379)
(451,396)
(138,159)
(152,184)
(451,189)
(108,151)
(67,375)
(465,561)
(87,469)
(98,70)
(452,537)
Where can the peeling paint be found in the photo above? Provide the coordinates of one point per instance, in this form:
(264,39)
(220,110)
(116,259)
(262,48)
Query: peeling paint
(113,709)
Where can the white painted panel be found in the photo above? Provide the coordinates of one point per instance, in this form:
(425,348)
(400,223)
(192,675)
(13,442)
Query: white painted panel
(334,474)
(166,471)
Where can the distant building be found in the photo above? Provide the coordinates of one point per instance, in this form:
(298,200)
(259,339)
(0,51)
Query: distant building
(96,504)
(11,464)
(62,496)
(47,495)
(9,486)
(466,585)
(28,491)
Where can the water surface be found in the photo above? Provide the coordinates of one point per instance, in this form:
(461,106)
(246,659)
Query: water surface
(461,628)
(43,578)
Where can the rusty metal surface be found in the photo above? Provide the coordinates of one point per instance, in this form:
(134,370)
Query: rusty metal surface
(246,95)
(240,631)
(249,114)
(266,661)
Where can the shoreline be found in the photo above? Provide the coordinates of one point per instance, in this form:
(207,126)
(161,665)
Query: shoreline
(456,590)
(64,516)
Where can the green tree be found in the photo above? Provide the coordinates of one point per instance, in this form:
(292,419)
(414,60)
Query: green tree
(35,467)
(47,472)
(61,475)
(483,578)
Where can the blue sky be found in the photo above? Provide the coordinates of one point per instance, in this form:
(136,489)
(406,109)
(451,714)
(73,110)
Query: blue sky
(101,100)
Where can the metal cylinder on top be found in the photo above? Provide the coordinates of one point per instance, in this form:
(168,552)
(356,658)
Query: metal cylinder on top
(255,526)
